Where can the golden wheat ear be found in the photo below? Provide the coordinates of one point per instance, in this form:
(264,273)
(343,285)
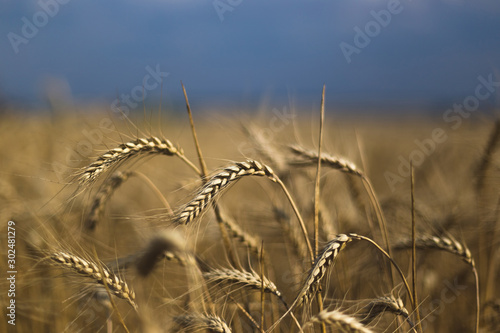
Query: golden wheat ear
(102,196)
(334,162)
(195,322)
(242,278)
(126,151)
(341,321)
(443,243)
(89,269)
(218,183)
(324,260)
(378,306)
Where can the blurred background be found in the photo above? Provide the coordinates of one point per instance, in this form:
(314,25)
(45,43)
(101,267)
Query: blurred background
(373,55)
(405,81)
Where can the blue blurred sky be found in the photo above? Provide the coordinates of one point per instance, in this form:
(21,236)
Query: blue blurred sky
(429,54)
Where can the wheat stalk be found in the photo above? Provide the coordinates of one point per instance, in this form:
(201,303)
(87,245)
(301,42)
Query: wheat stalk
(343,322)
(486,158)
(197,321)
(292,232)
(125,151)
(87,268)
(326,222)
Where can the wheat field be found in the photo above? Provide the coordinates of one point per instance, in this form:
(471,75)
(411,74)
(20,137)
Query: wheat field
(130,225)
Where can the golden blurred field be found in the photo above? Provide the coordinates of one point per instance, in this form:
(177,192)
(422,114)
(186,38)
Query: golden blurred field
(456,198)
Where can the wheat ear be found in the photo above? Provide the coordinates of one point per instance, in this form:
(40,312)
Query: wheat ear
(125,151)
(382,304)
(251,241)
(333,162)
(343,322)
(242,278)
(219,182)
(197,321)
(448,244)
(317,272)
(451,245)
(87,268)
(323,261)
(343,165)
(102,196)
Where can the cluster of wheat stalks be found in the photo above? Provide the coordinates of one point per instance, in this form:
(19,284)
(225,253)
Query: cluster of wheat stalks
(289,264)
